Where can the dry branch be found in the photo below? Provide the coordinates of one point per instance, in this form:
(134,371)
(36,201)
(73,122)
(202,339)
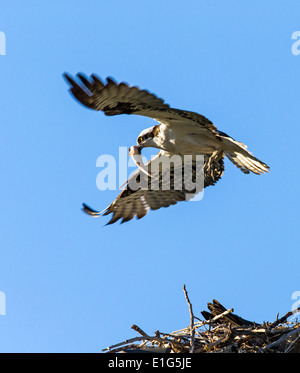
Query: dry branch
(192,320)
(221,331)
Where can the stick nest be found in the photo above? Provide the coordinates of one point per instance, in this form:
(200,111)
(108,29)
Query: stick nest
(220,331)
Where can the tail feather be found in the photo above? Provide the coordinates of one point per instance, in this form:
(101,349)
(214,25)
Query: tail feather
(242,158)
(247,162)
(233,158)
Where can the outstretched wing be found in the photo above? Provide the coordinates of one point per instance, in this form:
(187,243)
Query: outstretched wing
(114,99)
(162,187)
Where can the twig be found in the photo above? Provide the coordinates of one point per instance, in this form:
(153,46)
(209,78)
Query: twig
(290,347)
(221,336)
(223,339)
(284,318)
(205,322)
(211,321)
(192,332)
(294,332)
(139,330)
(127,341)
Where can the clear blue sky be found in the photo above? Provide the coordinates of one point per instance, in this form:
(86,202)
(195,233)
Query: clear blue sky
(75,285)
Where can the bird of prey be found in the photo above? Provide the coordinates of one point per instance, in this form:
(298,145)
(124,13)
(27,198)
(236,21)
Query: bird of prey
(178,132)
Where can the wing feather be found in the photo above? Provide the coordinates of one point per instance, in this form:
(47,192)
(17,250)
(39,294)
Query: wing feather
(118,98)
(131,203)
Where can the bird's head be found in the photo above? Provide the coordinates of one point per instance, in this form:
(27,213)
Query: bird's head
(147,137)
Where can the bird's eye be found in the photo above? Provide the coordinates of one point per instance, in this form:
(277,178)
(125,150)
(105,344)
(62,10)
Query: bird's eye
(140,139)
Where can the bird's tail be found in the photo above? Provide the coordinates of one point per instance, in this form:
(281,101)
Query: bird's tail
(241,157)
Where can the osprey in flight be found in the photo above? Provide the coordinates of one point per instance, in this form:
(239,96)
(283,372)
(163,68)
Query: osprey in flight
(178,132)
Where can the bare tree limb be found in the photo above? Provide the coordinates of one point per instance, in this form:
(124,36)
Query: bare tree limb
(192,344)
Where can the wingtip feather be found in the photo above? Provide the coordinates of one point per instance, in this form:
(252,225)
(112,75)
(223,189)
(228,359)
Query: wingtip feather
(88,210)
